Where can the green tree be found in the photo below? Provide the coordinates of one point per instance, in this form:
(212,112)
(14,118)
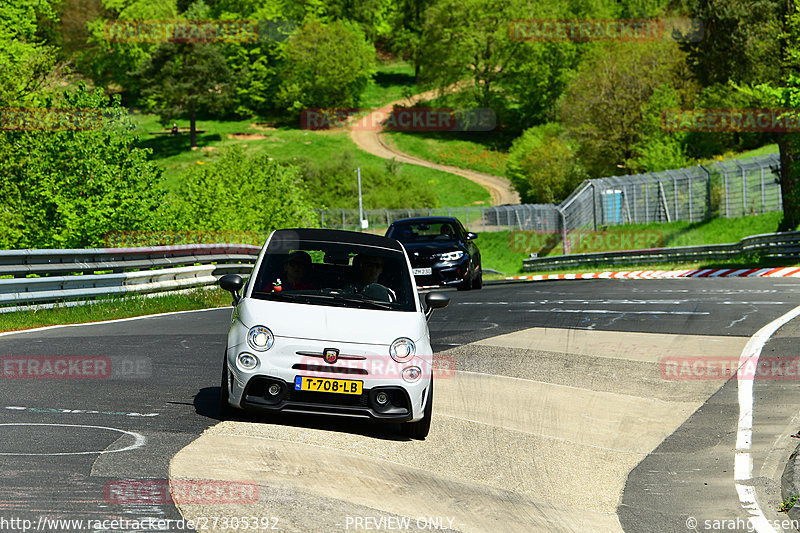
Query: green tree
(110,60)
(756,48)
(67,189)
(326,65)
(26,62)
(184,79)
(606,105)
(243,193)
(543,165)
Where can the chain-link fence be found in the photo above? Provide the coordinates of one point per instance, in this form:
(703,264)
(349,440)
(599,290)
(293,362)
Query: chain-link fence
(725,188)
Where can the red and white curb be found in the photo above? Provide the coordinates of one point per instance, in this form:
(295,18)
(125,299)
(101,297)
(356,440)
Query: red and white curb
(780,272)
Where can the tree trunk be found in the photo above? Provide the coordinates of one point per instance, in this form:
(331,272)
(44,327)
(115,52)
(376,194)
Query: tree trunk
(193,125)
(789,146)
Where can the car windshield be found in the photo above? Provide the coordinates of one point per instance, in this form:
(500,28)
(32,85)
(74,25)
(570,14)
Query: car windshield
(335,274)
(411,232)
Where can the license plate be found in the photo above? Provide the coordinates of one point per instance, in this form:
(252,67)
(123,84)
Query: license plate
(339,386)
(422,271)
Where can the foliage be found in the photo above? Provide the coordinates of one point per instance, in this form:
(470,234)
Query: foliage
(740,41)
(26,63)
(334,184)
(113,64)
(183,79)
(543,166)
(326,65)
(242,193)
(67,189)
(609,103)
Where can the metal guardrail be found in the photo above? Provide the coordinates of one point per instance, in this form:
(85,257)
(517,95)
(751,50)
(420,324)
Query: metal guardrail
(70,275)
(775,245)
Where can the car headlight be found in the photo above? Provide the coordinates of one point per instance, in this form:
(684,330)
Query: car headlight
(402,350)
(451,256)
(246,361)
(260,338)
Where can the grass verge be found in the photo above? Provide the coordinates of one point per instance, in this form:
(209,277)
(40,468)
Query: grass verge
(111,308)
(447,148)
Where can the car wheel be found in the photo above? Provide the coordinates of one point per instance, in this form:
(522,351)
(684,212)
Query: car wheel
(466,284)
(478,283)
(225,409)
(419,430)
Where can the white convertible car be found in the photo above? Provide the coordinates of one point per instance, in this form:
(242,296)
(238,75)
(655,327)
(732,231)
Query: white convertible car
(330,322)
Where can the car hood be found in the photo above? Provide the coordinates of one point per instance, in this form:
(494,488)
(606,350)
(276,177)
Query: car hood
(430,248)
(337,324)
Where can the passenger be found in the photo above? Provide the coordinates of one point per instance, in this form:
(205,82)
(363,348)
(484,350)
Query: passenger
(296,269)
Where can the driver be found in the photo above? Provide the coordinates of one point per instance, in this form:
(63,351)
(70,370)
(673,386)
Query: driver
(367,270)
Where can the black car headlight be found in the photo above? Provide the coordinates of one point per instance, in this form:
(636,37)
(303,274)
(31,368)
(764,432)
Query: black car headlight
(450,256)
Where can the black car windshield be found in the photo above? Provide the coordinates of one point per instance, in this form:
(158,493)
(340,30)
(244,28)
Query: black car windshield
(411,232)
(335,274)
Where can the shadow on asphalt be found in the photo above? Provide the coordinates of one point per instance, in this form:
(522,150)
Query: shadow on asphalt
(206,404)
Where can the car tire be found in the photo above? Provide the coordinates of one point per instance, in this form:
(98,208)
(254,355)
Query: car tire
(478,283)
(225,409)
(466,284)
(419,430)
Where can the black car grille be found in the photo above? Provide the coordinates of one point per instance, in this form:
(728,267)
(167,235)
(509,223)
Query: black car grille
(327,398)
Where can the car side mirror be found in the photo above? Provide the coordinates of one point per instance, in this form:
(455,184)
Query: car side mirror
(435,300)
(232,283)
(471,235)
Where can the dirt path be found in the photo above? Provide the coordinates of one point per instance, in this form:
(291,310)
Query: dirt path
(374,142)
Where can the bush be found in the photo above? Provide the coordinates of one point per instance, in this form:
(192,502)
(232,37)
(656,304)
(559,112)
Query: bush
(67,189)
(542,165)
(334,184)
(327,65)
(242,193)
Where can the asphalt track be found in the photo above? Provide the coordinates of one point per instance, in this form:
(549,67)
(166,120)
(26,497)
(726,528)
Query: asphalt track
(558,417)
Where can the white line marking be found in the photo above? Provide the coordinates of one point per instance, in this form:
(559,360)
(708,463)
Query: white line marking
(743,461)
(612,312)
(43,328)
(139,440)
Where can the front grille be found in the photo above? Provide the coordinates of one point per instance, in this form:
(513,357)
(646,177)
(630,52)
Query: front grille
(328,398)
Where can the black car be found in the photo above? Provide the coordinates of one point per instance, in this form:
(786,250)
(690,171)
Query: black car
(441,251)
